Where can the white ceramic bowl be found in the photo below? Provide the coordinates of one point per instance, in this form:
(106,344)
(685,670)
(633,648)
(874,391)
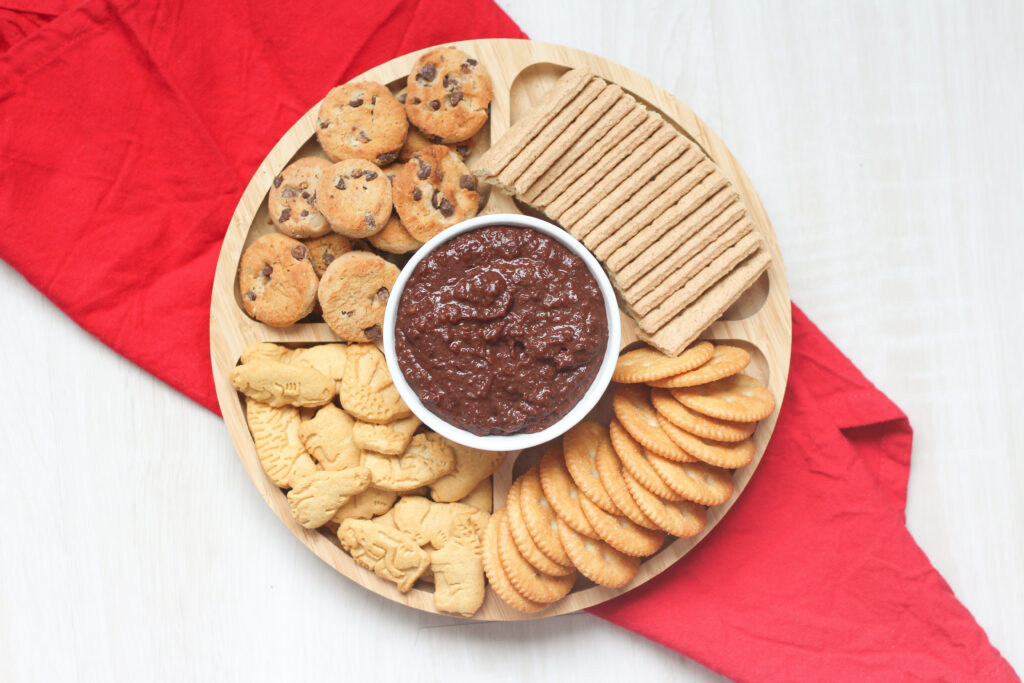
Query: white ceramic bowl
(511,442)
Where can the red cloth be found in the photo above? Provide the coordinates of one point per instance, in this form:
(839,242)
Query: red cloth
(129,130)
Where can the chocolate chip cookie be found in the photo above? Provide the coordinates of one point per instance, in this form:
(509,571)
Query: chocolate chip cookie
(433,191)
(292,199)
(354,293)
(276,280)
(361,121)
(354,196)
(394,238)
(323,250)
(447,94)
(418,140)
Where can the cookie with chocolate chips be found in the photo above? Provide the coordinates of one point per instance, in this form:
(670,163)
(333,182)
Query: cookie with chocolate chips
(447,94)
(361,121)
(354,293)
(417,140)
(323,250)
(276,280)
(292,199)
(354,196)
(394,238)
(433,191)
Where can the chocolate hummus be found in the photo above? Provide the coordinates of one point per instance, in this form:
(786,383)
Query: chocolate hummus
(501,330)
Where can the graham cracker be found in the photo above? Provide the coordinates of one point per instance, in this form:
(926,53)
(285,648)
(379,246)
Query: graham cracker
(506,180)
(585,216)
(635,257)
(679,333)
(645,206)
(647,139)
(698,284)
(559,147)
(589,139)
(680,276)
(633,121)
(522,131)
(678,256)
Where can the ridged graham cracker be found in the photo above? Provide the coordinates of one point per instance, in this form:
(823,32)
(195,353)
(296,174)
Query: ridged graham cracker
(615,167)
(681,298)
(679,332)
(679,256)
(544,137)
(657,216)
(622,117)
(670,221)
(645,206)
(616,190)
(598,168)
(679,277)
(561,147)
(637,256)
(522,131)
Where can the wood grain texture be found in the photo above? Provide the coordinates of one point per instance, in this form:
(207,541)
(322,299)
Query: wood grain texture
(522,71)
(883,139)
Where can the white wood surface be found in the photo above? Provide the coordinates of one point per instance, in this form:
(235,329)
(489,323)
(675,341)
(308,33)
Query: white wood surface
(885,142)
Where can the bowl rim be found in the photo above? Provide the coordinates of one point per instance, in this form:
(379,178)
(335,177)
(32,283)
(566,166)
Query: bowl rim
(510,442)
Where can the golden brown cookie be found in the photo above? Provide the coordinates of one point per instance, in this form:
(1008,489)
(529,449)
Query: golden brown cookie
(681,518)
(425,460)
(621,533)
(481,497)
(647,364)
(447,94)
(435,524)
(362,120)
(291,201)
(457,571)
(394,238)
(417,140)
(720,454)
(561,491)
(580,445)
(323,250)
(724,361)
(366,391)
(316,496)
(693,422)
(521,535)
(387,552)
(697,481)
(596,560)
(540,518)
(370,503)
(609,467)
(528,581)
(496,574)
(634,461)
(738,398)
(354,196)
(634,412)
(275,433)
(354,294)
(282,384)
(276,280)
(434,190)
(390,439)
(328,438)
(472,466)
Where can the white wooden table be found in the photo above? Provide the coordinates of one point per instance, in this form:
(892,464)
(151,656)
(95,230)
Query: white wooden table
(885,141)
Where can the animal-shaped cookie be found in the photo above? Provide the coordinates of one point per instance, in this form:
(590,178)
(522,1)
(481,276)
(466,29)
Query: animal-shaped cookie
(435,523)
(328,438)
(366,390)
(275,432)
(280,384)
(472,466)
(316,496)
(458,569)
(390,439)
(388,553)
(425,460)
(370,503)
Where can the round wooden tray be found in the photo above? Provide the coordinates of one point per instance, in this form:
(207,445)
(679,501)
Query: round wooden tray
(522,72)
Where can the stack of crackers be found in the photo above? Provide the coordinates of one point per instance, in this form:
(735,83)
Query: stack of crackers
(607,495)
(645,199)
(406,503)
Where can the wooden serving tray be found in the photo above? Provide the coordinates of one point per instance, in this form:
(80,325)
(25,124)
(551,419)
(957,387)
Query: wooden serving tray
(522,71)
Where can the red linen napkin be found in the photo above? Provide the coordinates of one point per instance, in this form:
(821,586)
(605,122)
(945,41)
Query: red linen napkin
(127,134)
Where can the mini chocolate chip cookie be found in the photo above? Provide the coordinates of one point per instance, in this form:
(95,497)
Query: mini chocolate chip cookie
(292,199)
(354,196)
(394,238)
(354,293)
(418,140)
(447,94)
(276,280)
(323,250)
(361,121)
(433,191)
